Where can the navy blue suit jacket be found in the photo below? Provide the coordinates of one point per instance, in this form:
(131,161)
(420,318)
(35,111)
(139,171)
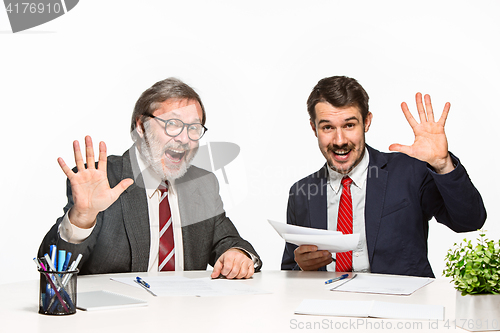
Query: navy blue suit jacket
(402,195)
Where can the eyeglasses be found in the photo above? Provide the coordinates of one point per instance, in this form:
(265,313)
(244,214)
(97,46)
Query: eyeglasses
(174,127)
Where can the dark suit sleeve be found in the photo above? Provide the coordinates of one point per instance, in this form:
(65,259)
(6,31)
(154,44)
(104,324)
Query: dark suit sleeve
(225,235)
(288,260)
(453,199)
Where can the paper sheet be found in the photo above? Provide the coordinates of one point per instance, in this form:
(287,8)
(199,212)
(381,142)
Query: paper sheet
(383,284)
(283,228)
(333,241)
(104,300)
(181,286)
(372,309)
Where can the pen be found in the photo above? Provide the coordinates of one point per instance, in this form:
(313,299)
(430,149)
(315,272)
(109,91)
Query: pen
(338,278)
(66,261)
(73,266)
(144,285)
(141,281)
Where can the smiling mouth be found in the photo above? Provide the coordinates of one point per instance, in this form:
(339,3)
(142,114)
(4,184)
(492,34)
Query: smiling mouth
(341,152)
(175,155)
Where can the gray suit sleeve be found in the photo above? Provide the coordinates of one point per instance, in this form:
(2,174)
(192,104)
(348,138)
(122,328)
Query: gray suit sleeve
(53,238)
(207,231)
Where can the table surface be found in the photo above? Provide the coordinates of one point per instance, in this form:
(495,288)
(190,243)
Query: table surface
(245,313)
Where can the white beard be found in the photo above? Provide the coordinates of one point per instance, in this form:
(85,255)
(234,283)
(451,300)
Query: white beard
(153,153)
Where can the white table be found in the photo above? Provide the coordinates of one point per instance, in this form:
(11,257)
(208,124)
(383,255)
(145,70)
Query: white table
(250,313)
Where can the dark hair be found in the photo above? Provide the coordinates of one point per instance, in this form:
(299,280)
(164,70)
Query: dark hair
(158,93)
(339,91)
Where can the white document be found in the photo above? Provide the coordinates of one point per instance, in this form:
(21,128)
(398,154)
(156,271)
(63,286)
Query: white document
(333,241)
(383,284)
(181,286)
(284,228)
(372,309)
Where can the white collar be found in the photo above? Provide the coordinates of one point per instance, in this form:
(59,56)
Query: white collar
(358,174)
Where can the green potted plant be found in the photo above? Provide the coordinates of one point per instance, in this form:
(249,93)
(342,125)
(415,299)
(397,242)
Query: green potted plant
(475,272)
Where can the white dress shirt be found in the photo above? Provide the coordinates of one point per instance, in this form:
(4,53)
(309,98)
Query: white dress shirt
(360,262)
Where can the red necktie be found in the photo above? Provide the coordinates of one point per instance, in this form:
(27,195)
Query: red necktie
(344,224)
(166,255)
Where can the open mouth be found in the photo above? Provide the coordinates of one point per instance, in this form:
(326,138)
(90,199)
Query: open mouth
(342,152)
(175,155)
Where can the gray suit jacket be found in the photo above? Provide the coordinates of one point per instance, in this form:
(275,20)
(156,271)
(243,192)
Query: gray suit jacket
(120,241)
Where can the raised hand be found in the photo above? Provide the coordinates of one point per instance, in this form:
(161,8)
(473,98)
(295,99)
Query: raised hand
(430,144)
(90,186)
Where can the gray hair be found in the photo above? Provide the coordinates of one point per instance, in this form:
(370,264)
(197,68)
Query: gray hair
(159,92)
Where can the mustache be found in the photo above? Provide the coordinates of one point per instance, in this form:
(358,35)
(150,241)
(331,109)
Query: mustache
(176,146)
(334,147)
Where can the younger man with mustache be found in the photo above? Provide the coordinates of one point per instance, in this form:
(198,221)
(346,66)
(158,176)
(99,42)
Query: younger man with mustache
(149,210)
(388,198)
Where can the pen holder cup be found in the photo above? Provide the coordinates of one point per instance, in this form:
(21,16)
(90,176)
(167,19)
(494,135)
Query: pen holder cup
(57,292)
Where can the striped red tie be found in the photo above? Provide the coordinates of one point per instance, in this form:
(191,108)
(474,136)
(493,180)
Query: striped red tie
(344,224)
(166,255)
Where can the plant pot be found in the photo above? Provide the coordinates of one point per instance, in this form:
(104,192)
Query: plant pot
(478,312)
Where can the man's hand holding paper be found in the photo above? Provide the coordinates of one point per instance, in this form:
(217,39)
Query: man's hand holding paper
(315,245)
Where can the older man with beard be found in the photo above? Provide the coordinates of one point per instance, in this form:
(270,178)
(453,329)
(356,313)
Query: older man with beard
(149,210)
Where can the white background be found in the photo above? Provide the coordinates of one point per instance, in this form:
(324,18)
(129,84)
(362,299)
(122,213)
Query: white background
(254,64)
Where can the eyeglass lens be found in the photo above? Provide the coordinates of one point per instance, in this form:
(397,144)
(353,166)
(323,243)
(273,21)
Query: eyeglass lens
(174,127)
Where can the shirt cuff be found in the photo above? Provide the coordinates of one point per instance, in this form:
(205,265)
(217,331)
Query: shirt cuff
(71,233)
(254,258)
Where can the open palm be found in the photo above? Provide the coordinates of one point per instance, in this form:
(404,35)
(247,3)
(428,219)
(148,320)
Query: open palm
(90,187)
(430,143)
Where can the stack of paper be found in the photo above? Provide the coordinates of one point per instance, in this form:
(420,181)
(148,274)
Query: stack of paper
(372,309)
(382,284)
(182,286)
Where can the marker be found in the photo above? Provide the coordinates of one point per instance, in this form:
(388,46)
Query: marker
(50,263)
(338,278)
(37,263)
(41,264)
(60,260)
(53,256)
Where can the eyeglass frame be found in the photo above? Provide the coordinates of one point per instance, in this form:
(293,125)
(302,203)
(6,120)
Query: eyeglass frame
(182,129)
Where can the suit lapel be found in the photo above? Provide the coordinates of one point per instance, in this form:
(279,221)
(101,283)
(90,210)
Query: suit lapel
(375,194)
(189,209)
(316,191)
(135,215)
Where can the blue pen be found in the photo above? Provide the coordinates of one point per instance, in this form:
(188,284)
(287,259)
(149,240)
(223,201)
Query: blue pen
(141,281)
(61,258)
(144,285)
(66,261)
(338,278)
